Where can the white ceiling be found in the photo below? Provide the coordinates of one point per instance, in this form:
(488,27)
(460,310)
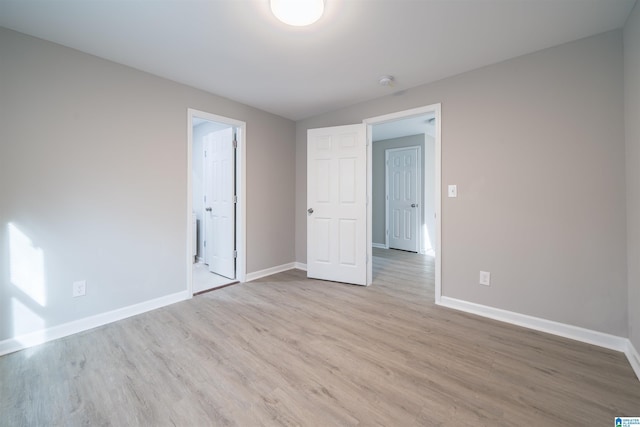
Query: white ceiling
(237,49)
(404,127)
(213,126)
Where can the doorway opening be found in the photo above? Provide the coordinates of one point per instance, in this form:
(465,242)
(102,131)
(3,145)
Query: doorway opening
(401,216)
(216,202)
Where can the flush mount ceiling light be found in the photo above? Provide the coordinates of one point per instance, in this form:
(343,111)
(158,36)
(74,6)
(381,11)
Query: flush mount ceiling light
(297,12)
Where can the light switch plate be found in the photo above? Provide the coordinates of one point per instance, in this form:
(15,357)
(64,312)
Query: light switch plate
(453,191)
(485,278)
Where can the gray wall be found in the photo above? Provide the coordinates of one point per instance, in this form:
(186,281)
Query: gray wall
(536,147)
(632,129)
(197,180)
(93,170)
(378,205)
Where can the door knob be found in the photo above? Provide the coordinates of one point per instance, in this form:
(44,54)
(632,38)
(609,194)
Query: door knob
(310,210)
(414,205)
(208,209)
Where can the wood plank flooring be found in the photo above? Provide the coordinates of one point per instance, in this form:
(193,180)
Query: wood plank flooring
(286,350)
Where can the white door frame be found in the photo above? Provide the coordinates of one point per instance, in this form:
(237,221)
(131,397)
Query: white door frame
(420,194)
(435,109)
(241,217)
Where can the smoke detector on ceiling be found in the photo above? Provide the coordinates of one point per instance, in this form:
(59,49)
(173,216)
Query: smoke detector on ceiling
(386,81)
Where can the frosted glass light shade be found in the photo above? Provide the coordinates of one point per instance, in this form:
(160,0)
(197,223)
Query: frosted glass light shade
(297,12)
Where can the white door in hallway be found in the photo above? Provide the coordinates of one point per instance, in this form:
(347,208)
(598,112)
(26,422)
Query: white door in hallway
(336,204)
(219,203)
(403,198)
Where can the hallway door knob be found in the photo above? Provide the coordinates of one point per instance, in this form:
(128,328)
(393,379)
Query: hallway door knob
(208,209)
(310,210)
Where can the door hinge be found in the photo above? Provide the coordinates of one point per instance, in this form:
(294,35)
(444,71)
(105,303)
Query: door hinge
(205,199)
(205,153)
(235,253)
(235,141)
(205,243)
(235,199)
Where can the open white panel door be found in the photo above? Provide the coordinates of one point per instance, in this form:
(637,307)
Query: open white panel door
(336,204)
(219,190)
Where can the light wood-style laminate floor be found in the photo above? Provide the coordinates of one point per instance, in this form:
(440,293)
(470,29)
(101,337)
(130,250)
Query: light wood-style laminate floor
(285,350)
(204,280)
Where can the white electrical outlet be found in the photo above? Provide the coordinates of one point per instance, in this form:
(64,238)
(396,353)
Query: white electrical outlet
(452,191)
(485,278)
(79,288)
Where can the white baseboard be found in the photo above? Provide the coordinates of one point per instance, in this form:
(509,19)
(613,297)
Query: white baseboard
(300,266)
(634,358)
(269,271)
(549,326)
(39,337)
(380,245)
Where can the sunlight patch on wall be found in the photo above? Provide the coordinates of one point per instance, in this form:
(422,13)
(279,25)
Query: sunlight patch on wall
(26,264)
(25,321)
